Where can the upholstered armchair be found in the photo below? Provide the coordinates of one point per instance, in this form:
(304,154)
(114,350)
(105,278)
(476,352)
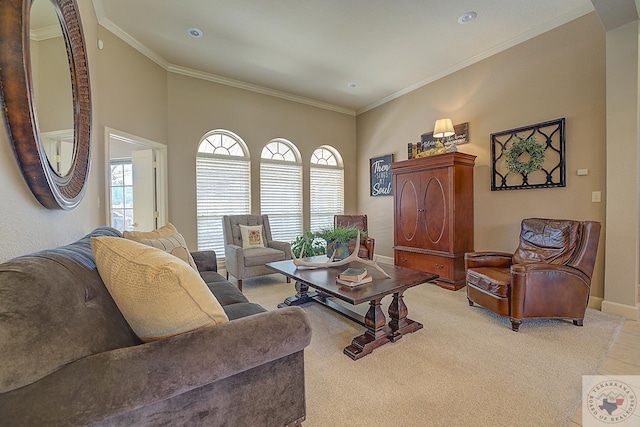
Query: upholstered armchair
(548,276)
(246,256)
(358,221)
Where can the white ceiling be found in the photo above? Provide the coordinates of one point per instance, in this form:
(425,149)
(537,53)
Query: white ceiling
(310,50)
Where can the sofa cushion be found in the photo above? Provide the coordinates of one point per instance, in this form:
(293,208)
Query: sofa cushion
(51,305)
(261,256)
(252,236)
(158,294)
(166,238)
(222,289)
(242,309)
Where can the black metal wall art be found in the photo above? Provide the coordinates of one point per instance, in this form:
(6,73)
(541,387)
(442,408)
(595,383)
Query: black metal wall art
(529,157)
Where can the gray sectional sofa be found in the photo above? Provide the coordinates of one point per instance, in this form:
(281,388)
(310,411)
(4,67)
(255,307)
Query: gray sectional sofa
(69,358)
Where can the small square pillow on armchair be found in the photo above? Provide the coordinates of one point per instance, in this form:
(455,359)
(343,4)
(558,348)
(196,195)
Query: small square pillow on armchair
(158,294)
(252,236)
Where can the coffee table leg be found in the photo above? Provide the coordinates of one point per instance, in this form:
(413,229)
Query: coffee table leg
(302,296)
(375,335)
(399,323)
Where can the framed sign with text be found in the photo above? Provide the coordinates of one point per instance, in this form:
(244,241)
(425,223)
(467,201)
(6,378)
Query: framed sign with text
(380,175)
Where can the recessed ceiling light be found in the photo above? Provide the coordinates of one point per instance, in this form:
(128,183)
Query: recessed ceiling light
(465,18)
(195,32)
(353,85)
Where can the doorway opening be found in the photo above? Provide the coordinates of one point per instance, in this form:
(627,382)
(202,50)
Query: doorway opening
(136,182)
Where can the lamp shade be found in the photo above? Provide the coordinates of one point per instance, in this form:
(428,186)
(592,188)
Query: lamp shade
(443,128)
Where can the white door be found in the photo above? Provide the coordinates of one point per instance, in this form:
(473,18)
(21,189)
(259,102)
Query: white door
(148,159)
(144,191)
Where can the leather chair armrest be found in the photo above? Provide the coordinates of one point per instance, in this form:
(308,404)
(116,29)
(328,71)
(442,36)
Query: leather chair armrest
(205,260)
(487,259)
(121,380)
(370,244)
(549,288)
(281,246)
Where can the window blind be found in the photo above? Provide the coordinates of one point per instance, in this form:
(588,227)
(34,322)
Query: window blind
(281,198)
(223,186)
(327,196)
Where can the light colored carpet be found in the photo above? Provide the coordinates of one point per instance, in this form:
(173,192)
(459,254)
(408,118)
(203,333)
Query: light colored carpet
(465,367)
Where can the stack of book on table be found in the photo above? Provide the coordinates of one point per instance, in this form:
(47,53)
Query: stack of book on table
(353,277)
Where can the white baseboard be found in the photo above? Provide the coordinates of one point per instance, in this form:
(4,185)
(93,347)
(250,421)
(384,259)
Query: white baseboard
(383,259)
(628,311)
(595,303)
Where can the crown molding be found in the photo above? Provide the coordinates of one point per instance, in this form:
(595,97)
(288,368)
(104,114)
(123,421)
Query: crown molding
(258,89)
(120,33)
(45,33)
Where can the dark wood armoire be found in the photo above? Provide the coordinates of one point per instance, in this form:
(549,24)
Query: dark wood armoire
(433,215)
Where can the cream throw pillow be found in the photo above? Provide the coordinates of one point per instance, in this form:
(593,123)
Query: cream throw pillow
(158,294)
(252,236)
(166,238)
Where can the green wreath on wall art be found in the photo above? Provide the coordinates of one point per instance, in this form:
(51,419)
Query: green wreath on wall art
(529,146)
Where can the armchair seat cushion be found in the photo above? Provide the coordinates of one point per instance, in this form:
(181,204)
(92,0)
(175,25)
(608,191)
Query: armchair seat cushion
(260,256)
(494,280)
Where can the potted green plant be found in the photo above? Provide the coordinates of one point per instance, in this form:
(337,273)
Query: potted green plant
(338,239)
(307,245)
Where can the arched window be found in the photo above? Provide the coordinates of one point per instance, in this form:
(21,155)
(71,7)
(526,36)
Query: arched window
(326,182)
(223,182)
(281,189)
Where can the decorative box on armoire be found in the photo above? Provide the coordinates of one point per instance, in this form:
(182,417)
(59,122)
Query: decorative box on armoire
(433,215)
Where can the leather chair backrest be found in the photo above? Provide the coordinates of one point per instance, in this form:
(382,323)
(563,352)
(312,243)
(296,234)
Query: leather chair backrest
(231,229)
(584,258)
(552,241)
(357,221)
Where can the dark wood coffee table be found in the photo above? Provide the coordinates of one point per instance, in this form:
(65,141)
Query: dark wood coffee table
(378,331)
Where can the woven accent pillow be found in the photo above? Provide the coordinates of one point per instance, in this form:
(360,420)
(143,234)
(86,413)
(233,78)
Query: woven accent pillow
(166,238)
(158,294)
(252,236)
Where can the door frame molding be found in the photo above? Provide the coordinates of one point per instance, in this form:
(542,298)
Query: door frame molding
(161,170)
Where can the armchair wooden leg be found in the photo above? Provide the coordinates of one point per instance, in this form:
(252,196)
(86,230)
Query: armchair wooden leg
(470,302)
(239,284)
(515,325)
(578,322)
(288,279)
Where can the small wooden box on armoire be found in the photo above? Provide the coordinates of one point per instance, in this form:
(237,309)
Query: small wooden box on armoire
(433,215)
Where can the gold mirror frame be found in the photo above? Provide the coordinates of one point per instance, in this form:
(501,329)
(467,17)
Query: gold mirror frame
(16,87)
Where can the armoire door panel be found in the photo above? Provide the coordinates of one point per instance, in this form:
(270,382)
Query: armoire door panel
(436,212)
(407,211)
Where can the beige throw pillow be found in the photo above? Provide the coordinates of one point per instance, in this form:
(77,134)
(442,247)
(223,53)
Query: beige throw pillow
(166,238)
(252,236)
(158,294)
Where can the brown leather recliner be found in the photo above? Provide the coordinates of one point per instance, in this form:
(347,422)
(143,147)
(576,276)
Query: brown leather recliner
(549,275)
(367,244)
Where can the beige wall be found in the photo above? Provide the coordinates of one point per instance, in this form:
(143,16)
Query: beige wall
(132,91)
(623,171)
(197,107)
(25,225)
(558,74)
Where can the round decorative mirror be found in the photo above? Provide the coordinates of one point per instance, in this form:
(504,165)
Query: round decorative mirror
(54,162)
